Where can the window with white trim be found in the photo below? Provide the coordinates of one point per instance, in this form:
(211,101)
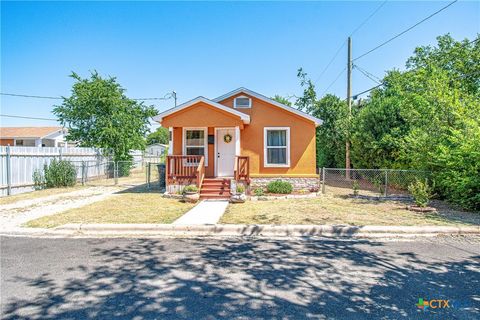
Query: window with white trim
(277,147)
(242,102)
(195,143)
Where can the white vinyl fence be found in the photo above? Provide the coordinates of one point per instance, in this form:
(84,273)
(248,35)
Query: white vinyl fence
(17,164)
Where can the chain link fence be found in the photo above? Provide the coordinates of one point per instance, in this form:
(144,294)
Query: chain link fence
(389,183)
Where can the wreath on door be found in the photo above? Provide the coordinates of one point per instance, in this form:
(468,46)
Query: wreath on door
(227,138)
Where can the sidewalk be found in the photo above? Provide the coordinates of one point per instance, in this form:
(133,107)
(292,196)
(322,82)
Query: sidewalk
(206,212)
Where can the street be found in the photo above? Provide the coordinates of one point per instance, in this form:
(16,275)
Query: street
(214,278)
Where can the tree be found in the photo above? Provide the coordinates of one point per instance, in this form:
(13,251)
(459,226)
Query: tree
(161,135)
(428,118)
(282,100)
(98,114)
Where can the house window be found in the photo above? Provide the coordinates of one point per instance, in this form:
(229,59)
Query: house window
(242,102)
(195,143)
(277,147)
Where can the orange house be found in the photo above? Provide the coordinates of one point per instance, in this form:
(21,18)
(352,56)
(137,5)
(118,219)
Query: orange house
(240,137)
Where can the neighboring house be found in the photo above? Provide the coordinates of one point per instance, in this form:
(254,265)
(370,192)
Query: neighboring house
(156,149)
(241,136)
(33,136)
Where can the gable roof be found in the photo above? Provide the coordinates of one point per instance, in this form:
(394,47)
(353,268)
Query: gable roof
(244,117)
(28,132)
(270,101)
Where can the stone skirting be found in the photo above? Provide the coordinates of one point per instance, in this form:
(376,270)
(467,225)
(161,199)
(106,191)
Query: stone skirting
(310,184)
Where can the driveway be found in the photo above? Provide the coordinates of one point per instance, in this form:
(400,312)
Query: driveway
(212,278)
(13,215)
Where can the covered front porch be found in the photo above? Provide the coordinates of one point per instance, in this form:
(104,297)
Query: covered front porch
(209,155)
(204,144)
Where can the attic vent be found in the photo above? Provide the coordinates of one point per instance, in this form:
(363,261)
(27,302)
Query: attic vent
(242,102)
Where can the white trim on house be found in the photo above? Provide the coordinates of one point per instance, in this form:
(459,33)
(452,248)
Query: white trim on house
(242,97)
(266,99)
(244,117)
(205,139)
(237,141)
(265,157)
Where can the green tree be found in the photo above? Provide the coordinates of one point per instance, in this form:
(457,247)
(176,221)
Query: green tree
(428,117)
(99,114)
(282,100)
(161,135)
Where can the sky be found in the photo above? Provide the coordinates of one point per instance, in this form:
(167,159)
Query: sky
(207,48)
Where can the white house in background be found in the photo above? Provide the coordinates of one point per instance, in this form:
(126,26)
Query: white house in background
(33,136)
(156,149)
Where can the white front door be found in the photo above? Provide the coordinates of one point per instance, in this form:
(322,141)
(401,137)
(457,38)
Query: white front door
(225,152)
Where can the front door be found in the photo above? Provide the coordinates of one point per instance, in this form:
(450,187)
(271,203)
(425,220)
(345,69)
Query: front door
(225,152)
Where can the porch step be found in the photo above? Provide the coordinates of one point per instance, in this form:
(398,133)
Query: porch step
(212,188)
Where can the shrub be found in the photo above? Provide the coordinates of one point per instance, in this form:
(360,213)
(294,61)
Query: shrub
(278,186)
(38,180)
(421,193)
(56,174)
(240,188)
(124,168)
(190,188)
(258,192)
(355,187)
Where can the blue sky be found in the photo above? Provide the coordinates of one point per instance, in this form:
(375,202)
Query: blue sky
(206,48)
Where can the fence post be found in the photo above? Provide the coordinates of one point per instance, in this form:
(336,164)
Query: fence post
(386,183)
(60,156)
(115,172)
(323,180)
(83,173)
(9,172)
(148,174)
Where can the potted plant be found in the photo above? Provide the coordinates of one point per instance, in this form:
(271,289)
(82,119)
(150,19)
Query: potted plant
(190,194)
(239,196)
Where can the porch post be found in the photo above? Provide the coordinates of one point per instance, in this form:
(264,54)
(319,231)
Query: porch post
(237,141)
(170,141)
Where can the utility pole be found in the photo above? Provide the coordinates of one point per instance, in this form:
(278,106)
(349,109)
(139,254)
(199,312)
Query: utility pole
(174,94)
(349,102)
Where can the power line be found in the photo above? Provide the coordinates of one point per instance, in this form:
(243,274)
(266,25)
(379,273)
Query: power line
(335,80)
(168,96)
(28,96)
(405,31)
(23,117)
(381,84)
(330,62)
(343,43)
(368,18)
(367,74)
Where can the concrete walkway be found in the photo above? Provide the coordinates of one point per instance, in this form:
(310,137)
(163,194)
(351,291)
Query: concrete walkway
(206,212)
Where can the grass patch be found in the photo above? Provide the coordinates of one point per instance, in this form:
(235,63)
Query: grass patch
(37,194)
(343,210)
(125,207)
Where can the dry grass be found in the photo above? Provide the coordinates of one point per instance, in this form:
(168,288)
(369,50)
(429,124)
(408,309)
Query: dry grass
(340,209)
(125,207)
(38,194)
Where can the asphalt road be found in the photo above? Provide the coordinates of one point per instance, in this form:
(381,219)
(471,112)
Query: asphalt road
(238,278)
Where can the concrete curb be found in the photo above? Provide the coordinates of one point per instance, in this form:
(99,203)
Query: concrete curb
(263,230)
(170,230)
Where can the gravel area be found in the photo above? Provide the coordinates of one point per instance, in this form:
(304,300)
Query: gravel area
(13,215)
